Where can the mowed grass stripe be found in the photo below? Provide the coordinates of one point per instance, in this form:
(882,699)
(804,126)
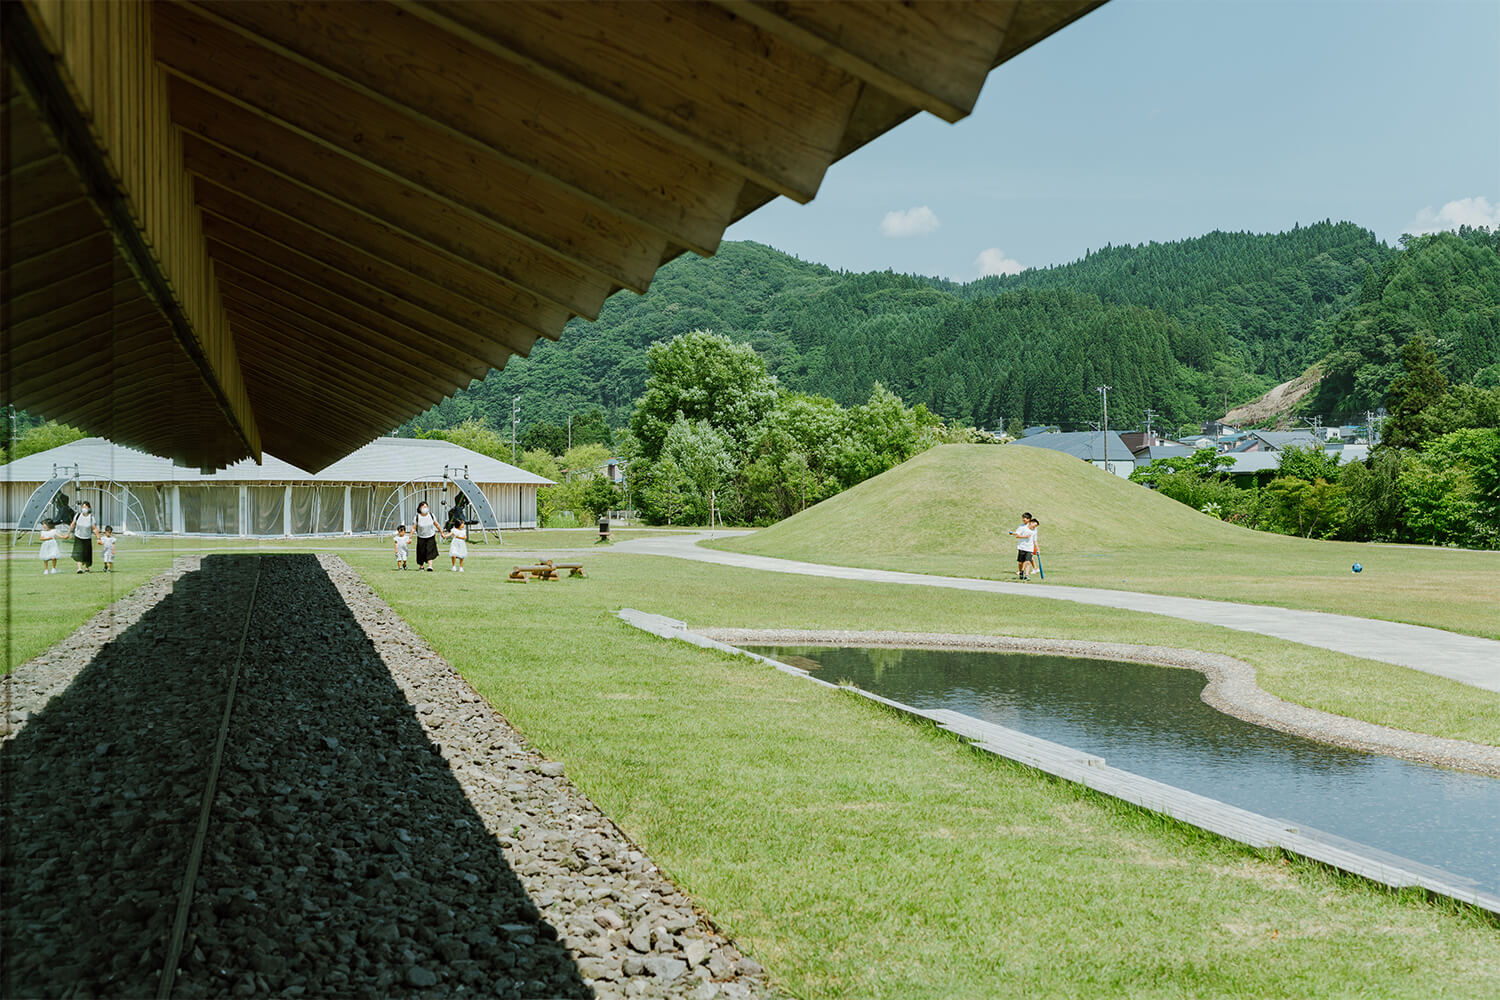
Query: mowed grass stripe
(948,511)
(860,855)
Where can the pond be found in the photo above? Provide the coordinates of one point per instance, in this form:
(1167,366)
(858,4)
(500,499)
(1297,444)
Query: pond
(1151,721)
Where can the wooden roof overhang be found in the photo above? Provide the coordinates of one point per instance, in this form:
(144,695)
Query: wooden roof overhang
(293,225)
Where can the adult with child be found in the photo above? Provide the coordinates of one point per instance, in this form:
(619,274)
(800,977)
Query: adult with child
(1024,533)
(84,531)
(426,528)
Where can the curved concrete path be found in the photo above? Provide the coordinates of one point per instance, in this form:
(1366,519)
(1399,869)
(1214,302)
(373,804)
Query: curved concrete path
(1464,658)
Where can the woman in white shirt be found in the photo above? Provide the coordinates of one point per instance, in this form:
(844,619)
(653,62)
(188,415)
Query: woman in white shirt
(426,528)
(84,532)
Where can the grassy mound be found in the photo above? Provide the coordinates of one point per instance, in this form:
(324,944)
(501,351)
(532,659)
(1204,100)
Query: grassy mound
(961,500)
(948,511)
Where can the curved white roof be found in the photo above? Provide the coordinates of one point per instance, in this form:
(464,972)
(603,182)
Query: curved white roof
(384,460)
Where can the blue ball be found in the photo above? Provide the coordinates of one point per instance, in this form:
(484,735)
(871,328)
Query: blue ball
(1358,568)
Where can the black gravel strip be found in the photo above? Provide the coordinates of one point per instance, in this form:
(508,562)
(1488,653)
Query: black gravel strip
(378,830)
(344,858)
(101,789)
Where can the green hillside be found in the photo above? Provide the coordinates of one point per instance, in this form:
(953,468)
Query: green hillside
(1187,328)
(948,510)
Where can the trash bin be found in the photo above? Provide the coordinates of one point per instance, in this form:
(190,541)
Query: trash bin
(603,529)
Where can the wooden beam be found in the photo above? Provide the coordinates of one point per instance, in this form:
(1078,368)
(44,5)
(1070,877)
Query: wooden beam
(327,330)
(90,71)
(693,75)
(57,263)
(264,339)
(934,55)
(222,77)
(224,58)
(451,340)
(236,240)
(388,262)
(375,278)
(379,311)
(272,373)
(411,207)
(393,57)
(441,232)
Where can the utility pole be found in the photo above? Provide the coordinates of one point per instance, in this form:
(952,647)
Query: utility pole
(1369,429)
(1149,414)
(570,432)
(1104,391)
(515,413)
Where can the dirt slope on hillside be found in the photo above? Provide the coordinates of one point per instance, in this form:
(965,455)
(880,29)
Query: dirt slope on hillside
(1279,402)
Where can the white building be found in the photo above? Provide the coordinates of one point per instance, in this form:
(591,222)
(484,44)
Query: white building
(371,490)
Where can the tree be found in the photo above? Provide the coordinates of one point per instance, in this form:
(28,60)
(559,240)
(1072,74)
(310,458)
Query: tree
(1309,463)
(585,460)
(598,497)
(702,453)
(542,463)
(1372,511)
(475,435)
(543,436)
(1305,508)
(42,438)
(702,376)
(1451,491)
(1418,387)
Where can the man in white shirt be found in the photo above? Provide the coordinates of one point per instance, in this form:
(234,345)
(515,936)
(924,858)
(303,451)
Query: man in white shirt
(1025,534)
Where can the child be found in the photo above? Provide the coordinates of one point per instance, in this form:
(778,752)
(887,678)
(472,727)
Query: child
(48,554)
(107,546)
(459,547)
(403,544)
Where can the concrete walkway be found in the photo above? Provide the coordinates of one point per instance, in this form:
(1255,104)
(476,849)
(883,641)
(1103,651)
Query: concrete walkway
(1468,659)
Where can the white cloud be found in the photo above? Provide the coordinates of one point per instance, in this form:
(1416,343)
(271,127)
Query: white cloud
(1475,211)
(917,221)
(993,261)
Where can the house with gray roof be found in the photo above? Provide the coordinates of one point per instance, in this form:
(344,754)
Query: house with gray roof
(1106,451)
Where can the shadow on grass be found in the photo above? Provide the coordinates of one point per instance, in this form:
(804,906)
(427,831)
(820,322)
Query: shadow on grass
(342,857)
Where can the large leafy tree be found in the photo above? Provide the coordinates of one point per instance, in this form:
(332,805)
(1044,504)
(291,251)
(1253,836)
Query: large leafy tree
(702,376)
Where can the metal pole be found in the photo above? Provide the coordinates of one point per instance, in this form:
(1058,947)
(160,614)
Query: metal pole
(1104,391)
(515,409)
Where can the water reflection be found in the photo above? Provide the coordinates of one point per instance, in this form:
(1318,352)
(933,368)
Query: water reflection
(1150,720)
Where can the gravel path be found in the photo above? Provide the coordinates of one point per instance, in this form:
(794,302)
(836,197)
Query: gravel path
(378,829)
(1231,688)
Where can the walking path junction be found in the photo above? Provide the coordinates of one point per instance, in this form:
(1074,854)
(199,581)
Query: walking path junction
(1468,659)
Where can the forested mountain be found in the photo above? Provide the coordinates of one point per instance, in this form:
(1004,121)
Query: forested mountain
(1188,329)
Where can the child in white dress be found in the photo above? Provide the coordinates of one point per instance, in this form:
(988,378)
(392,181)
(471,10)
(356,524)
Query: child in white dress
(459,547)
(107,546)
(403,546)
(48,555)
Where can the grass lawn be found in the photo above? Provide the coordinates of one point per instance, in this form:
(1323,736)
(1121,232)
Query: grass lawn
(40,611)
(858,854)
(948,511)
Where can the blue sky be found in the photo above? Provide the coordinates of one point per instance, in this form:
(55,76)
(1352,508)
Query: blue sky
(1165,119)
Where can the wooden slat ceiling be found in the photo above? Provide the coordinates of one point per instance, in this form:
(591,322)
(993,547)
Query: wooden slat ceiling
(396,197)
